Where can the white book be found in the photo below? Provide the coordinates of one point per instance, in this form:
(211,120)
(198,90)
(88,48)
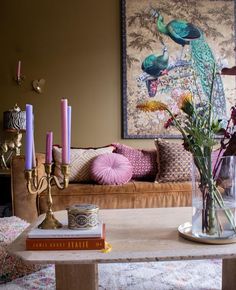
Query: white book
(65,232)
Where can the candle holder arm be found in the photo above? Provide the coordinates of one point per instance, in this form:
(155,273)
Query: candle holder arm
(61,185)
(33,186)
(65,171)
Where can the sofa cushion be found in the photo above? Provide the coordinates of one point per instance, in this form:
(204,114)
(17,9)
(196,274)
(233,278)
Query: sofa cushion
(12,267)
(80,162)
(174,161)
(144,162)
(111,168)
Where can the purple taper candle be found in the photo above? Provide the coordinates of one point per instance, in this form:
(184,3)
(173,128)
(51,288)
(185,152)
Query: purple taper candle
(49,137)
(69,131)
(64,130)
(29,137)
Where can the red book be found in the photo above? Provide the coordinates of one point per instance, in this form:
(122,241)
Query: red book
(55,244)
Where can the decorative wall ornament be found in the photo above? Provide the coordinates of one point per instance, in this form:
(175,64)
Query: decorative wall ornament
(38,85)
(160,66)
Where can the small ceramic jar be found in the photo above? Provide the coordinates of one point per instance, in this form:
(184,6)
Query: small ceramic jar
(82,216)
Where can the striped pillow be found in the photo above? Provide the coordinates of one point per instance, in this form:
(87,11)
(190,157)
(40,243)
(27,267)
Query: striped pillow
(81,160)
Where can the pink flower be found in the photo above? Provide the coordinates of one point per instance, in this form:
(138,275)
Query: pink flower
(233,115)
(169,122)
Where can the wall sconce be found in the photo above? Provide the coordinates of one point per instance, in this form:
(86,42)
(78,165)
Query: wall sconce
(19,77)
(38,85)
(14,122)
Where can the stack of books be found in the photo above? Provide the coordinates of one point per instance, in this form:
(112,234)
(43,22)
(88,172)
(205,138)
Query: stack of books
(66,239)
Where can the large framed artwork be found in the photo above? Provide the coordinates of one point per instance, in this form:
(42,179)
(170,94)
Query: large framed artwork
(170,48)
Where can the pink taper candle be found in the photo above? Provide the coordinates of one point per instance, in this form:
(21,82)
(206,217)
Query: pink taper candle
(18,70)
(69,131)
(64,130)
(49,138)
(33,155)
(33,149)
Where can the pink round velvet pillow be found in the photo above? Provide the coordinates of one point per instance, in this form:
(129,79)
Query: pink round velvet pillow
(111,168)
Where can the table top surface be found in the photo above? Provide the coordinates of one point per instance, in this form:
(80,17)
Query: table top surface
(136,235)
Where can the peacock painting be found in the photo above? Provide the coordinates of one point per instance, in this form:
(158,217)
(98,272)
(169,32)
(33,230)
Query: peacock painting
(173,47)
(202,58)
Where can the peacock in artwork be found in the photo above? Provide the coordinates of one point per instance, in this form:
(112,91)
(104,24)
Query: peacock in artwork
(203,61)
(155,66)
(180,31)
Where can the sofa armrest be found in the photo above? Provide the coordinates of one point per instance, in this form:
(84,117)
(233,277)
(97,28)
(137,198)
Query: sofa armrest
(24,205)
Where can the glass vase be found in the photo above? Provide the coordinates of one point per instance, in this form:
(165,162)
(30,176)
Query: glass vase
(214,198)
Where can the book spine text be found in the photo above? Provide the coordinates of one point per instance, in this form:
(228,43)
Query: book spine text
(64,244)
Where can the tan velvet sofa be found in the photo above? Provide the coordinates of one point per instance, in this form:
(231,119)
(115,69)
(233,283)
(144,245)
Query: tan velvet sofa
(135,194)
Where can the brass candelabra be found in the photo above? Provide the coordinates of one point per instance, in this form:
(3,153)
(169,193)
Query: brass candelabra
(35,186)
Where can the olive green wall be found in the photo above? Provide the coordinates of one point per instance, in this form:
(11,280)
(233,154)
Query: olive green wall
(75,46)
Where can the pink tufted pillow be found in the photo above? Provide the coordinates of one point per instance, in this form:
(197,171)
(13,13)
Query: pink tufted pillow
(144,161)
(111,168)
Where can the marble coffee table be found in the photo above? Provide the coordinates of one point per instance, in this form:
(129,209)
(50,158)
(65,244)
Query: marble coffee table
(136,235)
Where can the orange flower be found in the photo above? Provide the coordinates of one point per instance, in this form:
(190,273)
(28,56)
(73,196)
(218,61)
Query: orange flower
(185,99)
(152,106)
(186,103)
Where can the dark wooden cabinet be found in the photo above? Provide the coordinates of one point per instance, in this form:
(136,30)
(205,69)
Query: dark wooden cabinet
(5,193)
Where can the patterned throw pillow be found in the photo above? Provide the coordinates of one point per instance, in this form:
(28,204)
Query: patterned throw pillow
(12,267)
(111,168)
(174,161)
(81,160)
(144,162)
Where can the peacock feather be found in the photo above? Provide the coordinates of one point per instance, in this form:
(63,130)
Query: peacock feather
(203,62)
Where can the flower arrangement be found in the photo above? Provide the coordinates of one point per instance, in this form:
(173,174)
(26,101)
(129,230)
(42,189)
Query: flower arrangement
(198,127)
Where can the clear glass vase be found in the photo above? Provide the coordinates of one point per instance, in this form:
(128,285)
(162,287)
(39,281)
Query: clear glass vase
(214,198)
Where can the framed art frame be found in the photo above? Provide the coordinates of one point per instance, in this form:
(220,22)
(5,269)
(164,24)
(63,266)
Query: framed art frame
(157,66)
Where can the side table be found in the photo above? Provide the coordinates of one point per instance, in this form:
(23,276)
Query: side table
(5,193)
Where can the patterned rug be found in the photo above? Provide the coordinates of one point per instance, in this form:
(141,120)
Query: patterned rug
(184,275)
(190,275)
